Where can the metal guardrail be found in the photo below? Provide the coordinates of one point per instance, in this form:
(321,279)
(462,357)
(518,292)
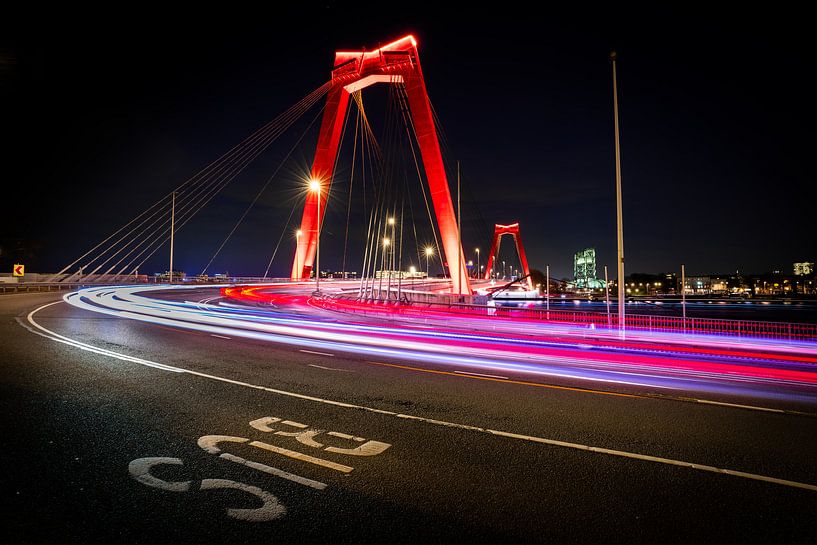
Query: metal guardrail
(642,322)
(37,288)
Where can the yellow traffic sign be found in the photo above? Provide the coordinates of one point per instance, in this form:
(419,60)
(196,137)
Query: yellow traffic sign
(18,270)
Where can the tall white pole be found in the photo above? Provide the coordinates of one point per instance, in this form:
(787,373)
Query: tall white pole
(547,290)
(683,295)
(172,230)
(459,232)
(619,219)
(607,294)
(298,254)
(318,248)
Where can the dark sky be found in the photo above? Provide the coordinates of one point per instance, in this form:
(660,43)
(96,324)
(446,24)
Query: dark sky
(717,110)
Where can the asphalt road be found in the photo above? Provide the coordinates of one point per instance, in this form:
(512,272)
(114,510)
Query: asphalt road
(451,457)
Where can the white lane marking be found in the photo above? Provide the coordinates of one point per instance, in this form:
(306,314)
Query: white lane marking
(328,368)
(739,406)
(303,457)
(553,442)
(220,336)
(48,334)
(317,485)
(479,374)
(270,510)
(318,353)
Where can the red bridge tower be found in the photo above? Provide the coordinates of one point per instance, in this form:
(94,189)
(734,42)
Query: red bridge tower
(394,63)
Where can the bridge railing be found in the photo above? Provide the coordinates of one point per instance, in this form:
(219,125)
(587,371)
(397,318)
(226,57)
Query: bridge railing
(38,288)
(642,322)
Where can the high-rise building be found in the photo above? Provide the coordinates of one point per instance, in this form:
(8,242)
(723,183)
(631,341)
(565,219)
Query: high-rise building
(803,269)
(584,270)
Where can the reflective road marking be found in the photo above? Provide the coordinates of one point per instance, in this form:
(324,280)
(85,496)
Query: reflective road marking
(479,375)
(318,353)
(317,485)
(303,457)
(329,368)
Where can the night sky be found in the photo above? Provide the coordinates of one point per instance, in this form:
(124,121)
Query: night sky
(717,115)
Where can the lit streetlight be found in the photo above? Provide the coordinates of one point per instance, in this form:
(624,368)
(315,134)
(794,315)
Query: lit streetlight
(479,269)
(429,253)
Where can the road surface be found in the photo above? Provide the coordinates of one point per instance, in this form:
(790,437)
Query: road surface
(120,430)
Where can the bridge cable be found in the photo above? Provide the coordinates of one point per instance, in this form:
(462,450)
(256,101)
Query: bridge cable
(263,189)
(213,169)
(205,185)
(208,195)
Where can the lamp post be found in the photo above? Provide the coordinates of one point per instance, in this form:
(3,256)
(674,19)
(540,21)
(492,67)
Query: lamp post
(547,290)
(386,243)
(298,234)
(479,269)
(172,232)
(315,186)
(619,214)
(392,256)
(684,296)
(429,253)
(503,270)
(607,295)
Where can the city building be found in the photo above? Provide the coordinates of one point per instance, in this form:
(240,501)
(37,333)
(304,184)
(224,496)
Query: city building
(803,269)
(584,270)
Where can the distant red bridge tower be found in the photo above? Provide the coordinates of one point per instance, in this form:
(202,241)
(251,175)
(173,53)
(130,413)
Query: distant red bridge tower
(513,230)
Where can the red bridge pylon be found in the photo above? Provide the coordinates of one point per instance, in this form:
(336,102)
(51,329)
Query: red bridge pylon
(395,63)
(513,230)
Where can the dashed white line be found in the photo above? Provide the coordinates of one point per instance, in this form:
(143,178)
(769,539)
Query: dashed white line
(480,375)
(328,368)
(739,406)
(220,336)
(318,353)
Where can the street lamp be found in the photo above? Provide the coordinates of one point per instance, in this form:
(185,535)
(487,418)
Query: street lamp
(386,243)
(298,234)
(503,270)
(392,256)
(429,253)
(478,262)
(393,237)
(315,187)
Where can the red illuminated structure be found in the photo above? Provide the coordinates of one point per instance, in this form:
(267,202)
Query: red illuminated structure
(513,230)
(395,63)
